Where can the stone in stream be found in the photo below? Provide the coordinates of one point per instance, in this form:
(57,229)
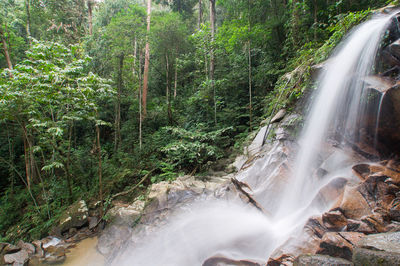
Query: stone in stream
(55,254)
(19,258)
(320,260)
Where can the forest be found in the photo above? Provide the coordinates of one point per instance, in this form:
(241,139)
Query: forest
(100,97)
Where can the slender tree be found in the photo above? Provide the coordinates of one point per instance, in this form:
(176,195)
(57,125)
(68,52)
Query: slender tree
(5,48)
(212,55)
(146,61)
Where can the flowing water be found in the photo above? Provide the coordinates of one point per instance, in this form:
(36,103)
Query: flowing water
(217,227)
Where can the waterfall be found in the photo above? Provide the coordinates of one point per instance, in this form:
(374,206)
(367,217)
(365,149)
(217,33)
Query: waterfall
(235,230)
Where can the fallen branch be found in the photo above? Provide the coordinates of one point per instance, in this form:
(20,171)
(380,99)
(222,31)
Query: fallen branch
(134,187)
(239,186)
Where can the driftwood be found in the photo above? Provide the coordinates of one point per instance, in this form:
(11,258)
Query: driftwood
(239,186)
(134,187)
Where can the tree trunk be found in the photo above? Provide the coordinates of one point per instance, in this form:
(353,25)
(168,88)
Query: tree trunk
(146,60)
(200,19)
(250,88)
(28,21)
(250,83)
(117,136)
(169,111)
(67,165)
(212,56)
(140,99)
(295,23)
(315,19)
(5,48)
(176,77)
(100,171)
(90,16)
(27,164)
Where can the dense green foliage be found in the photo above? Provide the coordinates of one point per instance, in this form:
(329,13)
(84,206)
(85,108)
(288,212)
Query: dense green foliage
(70,109)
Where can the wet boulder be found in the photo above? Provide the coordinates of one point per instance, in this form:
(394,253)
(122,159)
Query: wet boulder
(320,260)
(55,254)
(113,237)
(353,204)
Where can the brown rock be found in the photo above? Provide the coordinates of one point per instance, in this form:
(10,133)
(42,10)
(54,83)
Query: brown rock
(385,171)
(361,170)
(359,226)
(334,220)
(353,205)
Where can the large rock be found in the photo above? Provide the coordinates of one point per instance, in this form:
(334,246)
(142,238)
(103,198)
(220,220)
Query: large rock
(320,260)
(126,215)
(19,258)
(368,257)
(384,242)
(75,217)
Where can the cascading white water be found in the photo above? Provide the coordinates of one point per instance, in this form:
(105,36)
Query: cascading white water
(238,231)
(338,105)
